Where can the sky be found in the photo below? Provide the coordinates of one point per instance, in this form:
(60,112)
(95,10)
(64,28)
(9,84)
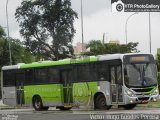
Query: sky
(97,20)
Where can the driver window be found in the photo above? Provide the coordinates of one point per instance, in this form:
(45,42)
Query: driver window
(116,75)
(113,77)
(119,75)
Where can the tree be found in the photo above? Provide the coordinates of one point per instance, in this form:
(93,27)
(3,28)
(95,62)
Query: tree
(158,59)
(19,53)
(2,33)
(47,27)
(158,66)
(98,48)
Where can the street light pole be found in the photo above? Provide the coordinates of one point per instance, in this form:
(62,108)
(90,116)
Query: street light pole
(150,45)
(82,25)
(104,37)
(10,55)
(127,24)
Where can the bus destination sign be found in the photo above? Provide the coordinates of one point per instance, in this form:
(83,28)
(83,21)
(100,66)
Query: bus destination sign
(139,58)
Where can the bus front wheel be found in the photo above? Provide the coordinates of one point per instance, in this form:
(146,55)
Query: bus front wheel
(37,103)
(100,103)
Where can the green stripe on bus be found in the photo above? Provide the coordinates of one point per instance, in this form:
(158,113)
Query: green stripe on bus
(83,91)
(60,62)
(48,93)
(153,89)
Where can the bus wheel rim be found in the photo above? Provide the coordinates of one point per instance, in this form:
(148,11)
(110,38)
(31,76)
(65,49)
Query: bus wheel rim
(37,104)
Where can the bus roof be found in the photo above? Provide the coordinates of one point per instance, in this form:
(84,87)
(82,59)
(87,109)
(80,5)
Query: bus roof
(68,61)
(109,57)
(52,63)
(117,56)
(11,67)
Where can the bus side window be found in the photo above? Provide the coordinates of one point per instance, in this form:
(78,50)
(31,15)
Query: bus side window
(53,75)
(74,73)
(8,78)
(83,72)
(29,76)
(102,71)
(41,75)
(93,71)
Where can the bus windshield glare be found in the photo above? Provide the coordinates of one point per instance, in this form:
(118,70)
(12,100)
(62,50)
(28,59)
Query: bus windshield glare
(140,75)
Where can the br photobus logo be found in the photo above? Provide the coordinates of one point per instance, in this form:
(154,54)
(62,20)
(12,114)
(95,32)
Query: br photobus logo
(135,5)
(118,6)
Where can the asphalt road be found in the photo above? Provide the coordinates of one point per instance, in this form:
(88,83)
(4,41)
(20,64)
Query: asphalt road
(139,113)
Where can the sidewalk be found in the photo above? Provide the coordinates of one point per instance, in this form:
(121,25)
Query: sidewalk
(3,106)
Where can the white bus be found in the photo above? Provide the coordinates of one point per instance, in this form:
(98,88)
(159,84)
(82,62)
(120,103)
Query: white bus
(98,81)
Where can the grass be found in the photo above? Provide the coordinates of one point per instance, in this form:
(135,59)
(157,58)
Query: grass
(150,104)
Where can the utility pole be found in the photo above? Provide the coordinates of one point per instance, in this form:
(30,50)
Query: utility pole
(82,25)
(9,44)
(150,43)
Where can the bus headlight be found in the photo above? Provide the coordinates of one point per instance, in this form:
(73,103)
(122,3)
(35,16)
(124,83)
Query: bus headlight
(155,92)
(130,93)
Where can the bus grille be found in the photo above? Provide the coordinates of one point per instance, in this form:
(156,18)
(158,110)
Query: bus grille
(143,98)
(142,89)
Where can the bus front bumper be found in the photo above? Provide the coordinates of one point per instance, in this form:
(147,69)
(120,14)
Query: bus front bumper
(141,99)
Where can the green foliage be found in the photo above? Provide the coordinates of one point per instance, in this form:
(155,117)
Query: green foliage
(47,26)
(98,48)
(4,53)
(19,53)
(2,33)
(158,67)
(158,78)
(158,61)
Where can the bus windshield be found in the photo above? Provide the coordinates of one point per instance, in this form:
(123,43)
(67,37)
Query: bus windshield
(140,75)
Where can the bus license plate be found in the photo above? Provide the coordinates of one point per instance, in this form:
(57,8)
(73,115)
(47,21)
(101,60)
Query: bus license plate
(144,101)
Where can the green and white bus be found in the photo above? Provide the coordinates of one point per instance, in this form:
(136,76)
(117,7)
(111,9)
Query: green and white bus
(95,81)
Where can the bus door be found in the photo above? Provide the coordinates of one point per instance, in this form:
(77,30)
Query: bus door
(66,80)
(116,84)
(20,88)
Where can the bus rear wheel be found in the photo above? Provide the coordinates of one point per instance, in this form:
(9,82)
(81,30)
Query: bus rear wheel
(37,104)
(100,103)
(129,106)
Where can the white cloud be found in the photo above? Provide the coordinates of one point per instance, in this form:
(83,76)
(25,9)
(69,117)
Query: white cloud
(15,34)
(13,25)
(114,25)
(102,22)
(98,19)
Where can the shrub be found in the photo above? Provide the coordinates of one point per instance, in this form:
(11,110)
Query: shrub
(158,78)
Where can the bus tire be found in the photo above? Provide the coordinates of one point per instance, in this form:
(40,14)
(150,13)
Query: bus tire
(37,103)
(62,108)
(100,103)
(129,106)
